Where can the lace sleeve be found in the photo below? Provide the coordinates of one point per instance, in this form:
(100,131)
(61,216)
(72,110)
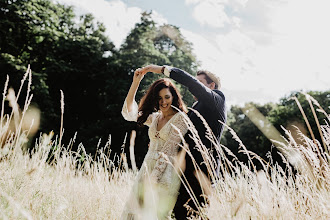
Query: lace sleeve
(133,115)
(178,130)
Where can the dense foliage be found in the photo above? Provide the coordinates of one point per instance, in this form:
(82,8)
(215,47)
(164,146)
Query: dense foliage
(77,58)
(286,114)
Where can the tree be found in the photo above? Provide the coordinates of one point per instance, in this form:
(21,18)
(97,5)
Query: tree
(249,133)
(29,30)
(64,55)
(83,81)
(286,114)
(164,45)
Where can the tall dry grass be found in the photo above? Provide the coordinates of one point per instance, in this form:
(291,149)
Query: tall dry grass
(51,181)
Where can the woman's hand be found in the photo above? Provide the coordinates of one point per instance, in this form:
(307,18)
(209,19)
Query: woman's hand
(138,75)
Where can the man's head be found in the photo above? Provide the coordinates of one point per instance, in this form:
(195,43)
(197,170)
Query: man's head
(209,79)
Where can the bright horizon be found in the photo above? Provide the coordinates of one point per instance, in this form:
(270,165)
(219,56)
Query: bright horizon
(262,50)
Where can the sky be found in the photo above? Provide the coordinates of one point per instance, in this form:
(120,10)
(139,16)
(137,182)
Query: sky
(261,49)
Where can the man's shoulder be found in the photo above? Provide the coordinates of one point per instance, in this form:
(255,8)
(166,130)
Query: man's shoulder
(219,99)
(220,93)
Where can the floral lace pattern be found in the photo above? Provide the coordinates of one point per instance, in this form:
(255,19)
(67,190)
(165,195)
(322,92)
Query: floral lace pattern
(163,148)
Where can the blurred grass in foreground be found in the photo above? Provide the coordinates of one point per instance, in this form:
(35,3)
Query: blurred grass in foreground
(51,181)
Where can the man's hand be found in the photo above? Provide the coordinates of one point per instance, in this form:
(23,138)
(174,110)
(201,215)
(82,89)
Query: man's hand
(152,68)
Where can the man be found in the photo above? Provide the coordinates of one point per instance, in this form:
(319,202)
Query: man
(211,105)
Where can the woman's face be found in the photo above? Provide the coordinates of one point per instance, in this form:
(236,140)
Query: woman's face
(165,99)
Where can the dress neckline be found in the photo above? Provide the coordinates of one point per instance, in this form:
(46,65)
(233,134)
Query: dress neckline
(157,121)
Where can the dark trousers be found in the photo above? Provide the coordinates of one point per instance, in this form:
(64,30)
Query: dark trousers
(180,211)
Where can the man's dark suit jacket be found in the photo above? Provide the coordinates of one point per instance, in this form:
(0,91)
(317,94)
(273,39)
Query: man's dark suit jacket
(210,104)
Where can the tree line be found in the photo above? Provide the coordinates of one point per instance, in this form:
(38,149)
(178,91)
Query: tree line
(79,59)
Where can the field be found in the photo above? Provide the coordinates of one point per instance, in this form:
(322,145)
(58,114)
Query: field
(53,182)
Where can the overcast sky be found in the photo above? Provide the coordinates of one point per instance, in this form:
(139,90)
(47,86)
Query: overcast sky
(261,49)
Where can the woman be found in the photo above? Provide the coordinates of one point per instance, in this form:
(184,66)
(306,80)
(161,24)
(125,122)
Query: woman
(163,110)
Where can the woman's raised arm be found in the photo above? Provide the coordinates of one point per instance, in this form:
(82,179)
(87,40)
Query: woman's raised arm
(138,76)
(130,108)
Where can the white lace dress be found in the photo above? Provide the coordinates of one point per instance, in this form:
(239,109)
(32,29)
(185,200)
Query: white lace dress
(156,200)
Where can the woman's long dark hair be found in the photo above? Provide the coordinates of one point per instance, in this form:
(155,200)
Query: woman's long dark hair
(149,102)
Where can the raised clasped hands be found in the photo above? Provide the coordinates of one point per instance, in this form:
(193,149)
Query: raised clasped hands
(140,72)
(138,75)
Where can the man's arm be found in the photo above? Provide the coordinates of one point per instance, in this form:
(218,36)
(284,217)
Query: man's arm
(198,89)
